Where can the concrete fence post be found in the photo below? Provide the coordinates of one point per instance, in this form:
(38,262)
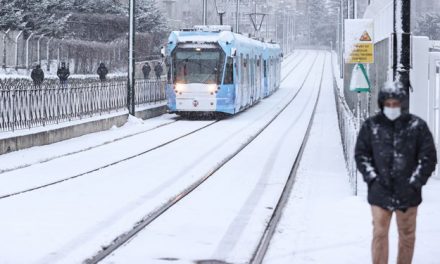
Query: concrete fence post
(16,48)
(39,49)
(27,50)
(48,53)
(4,47)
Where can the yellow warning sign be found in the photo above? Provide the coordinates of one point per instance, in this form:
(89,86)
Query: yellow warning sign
(365,37)
(361,53)
(359,44)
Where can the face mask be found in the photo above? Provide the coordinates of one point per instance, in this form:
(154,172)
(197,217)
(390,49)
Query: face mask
(392,113)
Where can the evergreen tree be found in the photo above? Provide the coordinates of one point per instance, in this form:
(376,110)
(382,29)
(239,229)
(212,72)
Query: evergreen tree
(323,21)
(56,21)
(429,25)
(148,17)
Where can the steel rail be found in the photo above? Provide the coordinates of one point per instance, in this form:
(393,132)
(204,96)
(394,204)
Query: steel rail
(148,219)
(86,149)
(107,165)
(104,143)
(113,163)
(264,243)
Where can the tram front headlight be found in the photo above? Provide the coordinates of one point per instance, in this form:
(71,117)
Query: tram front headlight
(212,88)
(178,87)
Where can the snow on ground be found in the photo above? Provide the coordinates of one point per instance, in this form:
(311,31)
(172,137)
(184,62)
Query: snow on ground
(324,222)
(38,154)
(68,222)
(224,218)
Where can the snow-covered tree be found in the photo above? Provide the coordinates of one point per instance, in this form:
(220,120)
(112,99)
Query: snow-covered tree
(323,21)
(148,17)
(79,18)
(429,25)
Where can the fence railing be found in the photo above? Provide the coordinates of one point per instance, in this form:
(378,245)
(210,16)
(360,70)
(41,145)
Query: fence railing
(25,105)
(349,130)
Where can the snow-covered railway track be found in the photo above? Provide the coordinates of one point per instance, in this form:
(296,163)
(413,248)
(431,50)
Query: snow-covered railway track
(107,165)
(263,245)
(172,201)
(304,55)
(77,151)
(24,187)
(108,202)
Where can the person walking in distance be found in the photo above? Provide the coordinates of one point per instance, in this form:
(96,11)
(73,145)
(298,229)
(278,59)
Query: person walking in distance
(146,69)
(63,73)
(158,70)
(102,71)
(37,75)
(396,155)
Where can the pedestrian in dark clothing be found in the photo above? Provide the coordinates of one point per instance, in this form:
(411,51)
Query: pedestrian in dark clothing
(396,155)
(102,71)
(37,75)
(63,73)
(158,70)
(146,70)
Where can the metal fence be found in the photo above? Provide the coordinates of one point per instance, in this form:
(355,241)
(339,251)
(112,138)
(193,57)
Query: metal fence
(22,50)
(25,105)
(349,128)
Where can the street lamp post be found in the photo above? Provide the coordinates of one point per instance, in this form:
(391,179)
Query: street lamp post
(221,10)
(131,60)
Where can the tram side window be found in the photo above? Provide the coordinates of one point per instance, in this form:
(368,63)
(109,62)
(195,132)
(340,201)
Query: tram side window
(229,71)
(242,68)
(265,69)
(168,67)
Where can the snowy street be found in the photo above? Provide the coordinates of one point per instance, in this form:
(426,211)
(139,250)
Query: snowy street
(62,203)
(219,132)
(101,204)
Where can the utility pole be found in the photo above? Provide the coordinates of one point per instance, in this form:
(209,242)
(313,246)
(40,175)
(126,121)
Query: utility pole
(205,12)
(276,26)
(284,32)
(237,17)
(402,46)
(342,40)
(355,9)
(221,17)
(131,60)
(308,22)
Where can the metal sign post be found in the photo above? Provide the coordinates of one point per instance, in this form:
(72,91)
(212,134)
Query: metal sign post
(359,49)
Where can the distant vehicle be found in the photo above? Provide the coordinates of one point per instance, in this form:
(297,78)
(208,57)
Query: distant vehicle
(212,70)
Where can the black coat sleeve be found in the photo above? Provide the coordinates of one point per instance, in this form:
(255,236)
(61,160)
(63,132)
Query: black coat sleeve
(426,156)
(364,154)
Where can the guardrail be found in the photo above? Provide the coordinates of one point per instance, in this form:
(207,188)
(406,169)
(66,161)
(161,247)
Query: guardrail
(26,105)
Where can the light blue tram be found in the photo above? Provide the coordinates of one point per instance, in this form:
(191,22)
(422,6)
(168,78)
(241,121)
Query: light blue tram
(212,70)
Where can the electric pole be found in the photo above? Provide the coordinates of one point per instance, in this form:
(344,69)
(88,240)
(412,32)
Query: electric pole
(131,60)
(402,45)
(237,17)
(205,11)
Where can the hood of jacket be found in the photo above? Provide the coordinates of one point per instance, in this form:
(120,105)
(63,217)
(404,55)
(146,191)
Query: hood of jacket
(391,90)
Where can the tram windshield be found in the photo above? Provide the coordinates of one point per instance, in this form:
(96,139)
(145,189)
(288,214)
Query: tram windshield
(198,65)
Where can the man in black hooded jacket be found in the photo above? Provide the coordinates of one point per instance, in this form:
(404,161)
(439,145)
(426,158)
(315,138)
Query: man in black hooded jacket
(396,155)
